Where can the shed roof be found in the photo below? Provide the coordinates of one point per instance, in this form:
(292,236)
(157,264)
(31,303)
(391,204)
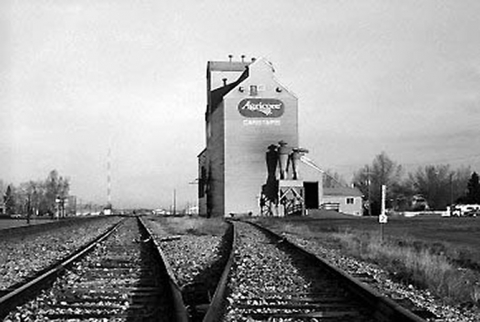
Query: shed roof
(342,191)
(202,153)
(224,66)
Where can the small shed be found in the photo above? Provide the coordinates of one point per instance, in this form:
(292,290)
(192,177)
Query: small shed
(343,199)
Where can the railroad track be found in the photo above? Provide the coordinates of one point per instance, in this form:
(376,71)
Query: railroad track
(274,280)
(121,276)
(197,262)
(266,278)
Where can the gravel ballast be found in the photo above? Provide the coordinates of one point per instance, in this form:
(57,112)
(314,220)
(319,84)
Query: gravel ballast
(192,255)
(22,256)
(118,280)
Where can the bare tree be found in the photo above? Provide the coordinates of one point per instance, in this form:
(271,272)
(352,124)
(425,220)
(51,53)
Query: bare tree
(56,187)
(435,184)
(333,179)
(370,178)
(458,183)
(31,193)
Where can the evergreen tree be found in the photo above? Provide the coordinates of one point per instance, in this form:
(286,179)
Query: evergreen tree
(9,201)
(473,189)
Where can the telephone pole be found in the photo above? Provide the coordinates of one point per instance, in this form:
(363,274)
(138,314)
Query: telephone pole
(109,179)
(369,183)
(174,202)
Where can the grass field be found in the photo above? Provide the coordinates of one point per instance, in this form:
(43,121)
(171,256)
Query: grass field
(193,225)
(438,253)
(462,232)
(12,223)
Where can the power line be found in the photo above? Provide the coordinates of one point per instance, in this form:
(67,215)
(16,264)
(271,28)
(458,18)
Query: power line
(445,160)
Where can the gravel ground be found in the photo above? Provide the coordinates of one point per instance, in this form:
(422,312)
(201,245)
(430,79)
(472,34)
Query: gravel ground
(23,256)
(379,280)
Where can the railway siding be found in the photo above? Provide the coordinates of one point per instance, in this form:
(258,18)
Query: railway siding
(271,282)
(421,302)
(25,253)
(121,279)
(196,261)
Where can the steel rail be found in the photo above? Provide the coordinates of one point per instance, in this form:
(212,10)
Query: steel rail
(9,300)
(180,310)
(385,309)
(215,310)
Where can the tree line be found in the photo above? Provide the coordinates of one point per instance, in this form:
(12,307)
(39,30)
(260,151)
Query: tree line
(439,185)
(42,197)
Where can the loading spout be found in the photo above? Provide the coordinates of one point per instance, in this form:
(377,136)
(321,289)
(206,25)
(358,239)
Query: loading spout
(310,163)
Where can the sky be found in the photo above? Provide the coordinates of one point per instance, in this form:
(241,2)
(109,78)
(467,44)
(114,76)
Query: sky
(81,77)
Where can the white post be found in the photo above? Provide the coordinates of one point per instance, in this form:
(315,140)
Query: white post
(383,217)
(384,194)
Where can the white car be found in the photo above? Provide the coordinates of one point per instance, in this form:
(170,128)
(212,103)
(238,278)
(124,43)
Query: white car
(465,210)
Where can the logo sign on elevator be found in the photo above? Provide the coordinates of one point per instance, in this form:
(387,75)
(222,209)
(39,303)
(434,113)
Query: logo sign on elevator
(261,107)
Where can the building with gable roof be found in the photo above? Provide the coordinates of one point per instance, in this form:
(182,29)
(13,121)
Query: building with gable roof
(346,200)
(247,111)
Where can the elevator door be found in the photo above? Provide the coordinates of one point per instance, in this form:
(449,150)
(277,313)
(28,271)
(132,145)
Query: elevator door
(311,194)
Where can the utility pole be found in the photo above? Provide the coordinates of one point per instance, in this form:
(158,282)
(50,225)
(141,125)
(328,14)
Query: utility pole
(369,183)
(196,204)
(109,181)
(451,188)
(175,201)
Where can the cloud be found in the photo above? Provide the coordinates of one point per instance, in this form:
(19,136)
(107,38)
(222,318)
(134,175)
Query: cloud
(85,75)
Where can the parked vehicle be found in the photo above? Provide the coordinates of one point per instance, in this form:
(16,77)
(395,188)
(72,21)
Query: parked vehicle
(419,203)
(465,210)
(472,211)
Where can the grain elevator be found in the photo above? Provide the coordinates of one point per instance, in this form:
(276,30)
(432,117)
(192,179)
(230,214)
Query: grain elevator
(248,110)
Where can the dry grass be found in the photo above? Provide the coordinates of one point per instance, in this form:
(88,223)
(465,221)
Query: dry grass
(439,254)
(294,229)
(410,264)
(196,226)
